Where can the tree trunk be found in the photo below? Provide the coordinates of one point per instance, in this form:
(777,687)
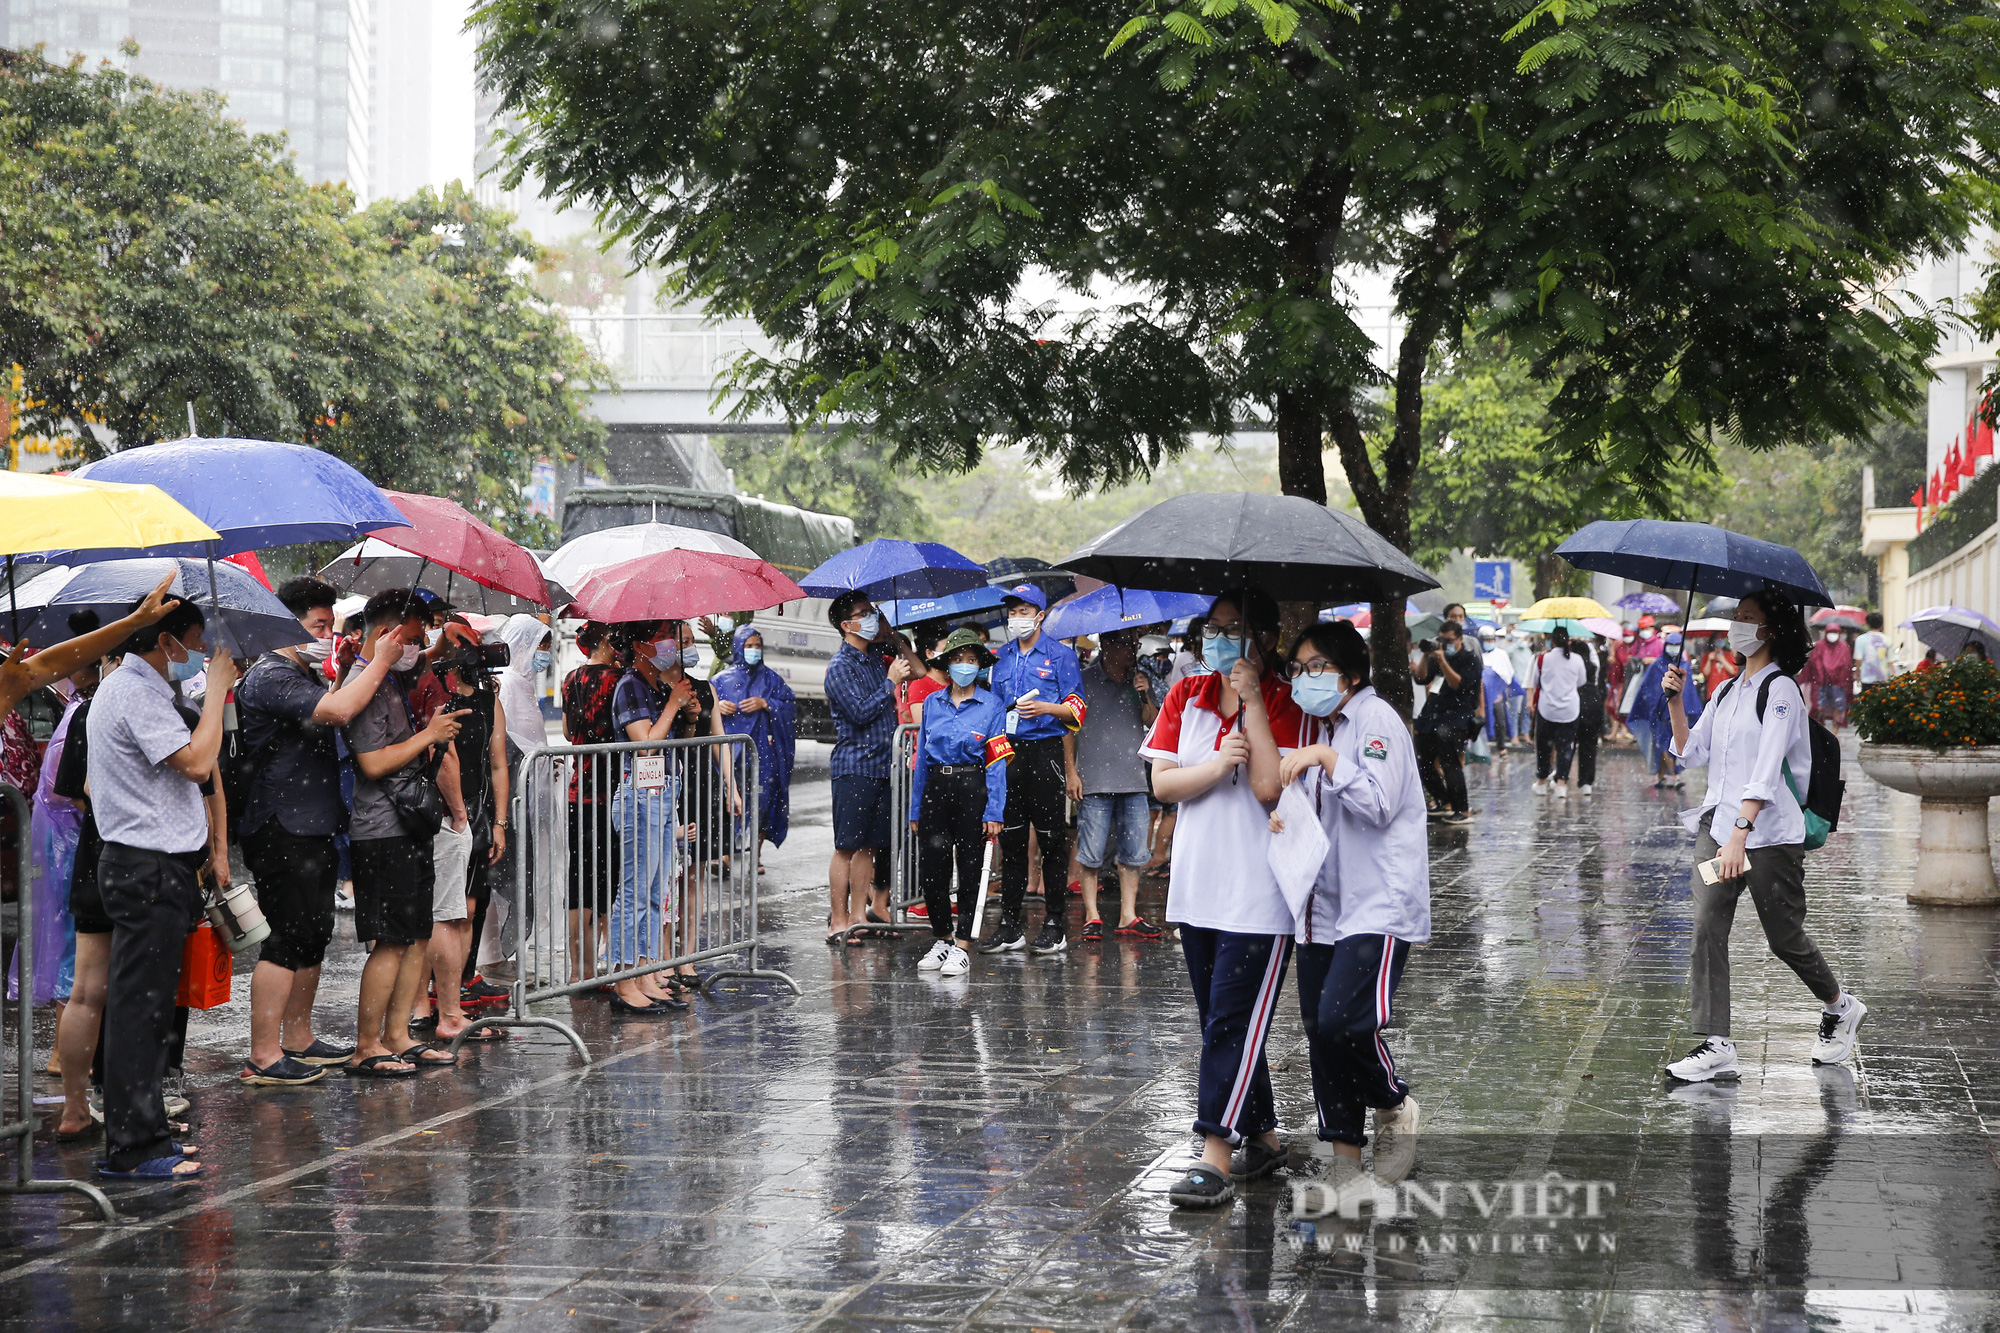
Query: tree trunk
(1301,446)
(1548,568)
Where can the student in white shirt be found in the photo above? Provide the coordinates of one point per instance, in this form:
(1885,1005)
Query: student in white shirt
(1215,749)
(1555,683)
(1750,823)
(1372,901)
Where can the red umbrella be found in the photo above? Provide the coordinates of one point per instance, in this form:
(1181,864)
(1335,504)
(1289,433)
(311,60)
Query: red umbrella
(448,536)
(1847,617)
(679,585)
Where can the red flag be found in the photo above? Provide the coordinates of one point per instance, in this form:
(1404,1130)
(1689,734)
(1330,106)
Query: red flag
(1980,440)
(1950,477)
(248,560)
(1961,459)
(1935,493)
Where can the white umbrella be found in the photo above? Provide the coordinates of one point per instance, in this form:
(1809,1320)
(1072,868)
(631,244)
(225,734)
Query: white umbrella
(576,558)
(1709,625)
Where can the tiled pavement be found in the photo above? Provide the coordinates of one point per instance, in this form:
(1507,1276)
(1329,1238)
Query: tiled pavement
(891,1151)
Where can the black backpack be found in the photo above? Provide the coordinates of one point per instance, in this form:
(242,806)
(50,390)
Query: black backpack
(1821,800)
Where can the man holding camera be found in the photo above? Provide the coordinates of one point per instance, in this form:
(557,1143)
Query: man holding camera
(1455,710)
(392,831)
(290,818)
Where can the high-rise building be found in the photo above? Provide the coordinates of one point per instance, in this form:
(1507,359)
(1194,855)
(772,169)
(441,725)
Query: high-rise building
(300,66)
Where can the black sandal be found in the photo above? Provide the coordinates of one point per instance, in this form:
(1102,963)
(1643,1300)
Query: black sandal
(415,1055)
(372,1067)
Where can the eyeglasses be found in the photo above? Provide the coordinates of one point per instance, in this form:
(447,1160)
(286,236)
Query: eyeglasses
(1313,669)
(1210,633)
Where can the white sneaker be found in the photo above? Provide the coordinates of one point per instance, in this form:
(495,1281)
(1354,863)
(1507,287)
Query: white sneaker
(1345,1191)
(957,962)
(1714,1058)
(932,961)
(1586,789)
(1562,790)
(1396,1141)
(1541,787)
(1837,1033)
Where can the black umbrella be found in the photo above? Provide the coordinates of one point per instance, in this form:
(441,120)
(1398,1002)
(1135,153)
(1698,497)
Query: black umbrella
(1290,547)
(375,566)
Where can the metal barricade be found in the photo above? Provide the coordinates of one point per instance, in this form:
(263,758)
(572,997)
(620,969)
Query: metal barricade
(22,1129)
(632,858)
(905,889)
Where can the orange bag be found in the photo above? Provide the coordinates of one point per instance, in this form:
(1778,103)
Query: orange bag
(205,970)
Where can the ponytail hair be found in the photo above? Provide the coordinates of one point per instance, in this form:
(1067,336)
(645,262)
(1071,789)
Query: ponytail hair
(1790,644)
(1559,638)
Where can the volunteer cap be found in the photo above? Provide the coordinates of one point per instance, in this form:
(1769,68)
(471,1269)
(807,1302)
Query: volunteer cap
(1029,593)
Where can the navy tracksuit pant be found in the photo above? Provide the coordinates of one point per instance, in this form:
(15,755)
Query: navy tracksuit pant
(1237,980)
(1345,989)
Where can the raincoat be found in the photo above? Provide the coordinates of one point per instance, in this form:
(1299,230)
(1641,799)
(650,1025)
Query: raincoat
(55,825)
(773,730)
(520,683)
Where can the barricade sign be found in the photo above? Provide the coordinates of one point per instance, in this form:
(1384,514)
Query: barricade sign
(628,859)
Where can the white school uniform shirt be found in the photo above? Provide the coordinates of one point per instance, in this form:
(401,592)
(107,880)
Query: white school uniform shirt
(1745,760)
(1222,876)
(1559,676)
(1377,876)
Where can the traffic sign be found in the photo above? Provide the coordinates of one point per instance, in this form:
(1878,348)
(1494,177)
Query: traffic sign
(1493,580)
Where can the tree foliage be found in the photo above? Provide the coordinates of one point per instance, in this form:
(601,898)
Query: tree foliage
(851,476)
(1492,483)
(153,255)
(1668,206)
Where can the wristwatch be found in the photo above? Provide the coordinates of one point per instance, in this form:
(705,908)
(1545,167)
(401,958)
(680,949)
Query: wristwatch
(1743,823)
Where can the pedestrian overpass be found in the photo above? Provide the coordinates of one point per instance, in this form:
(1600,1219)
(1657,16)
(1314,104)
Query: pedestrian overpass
(665,367)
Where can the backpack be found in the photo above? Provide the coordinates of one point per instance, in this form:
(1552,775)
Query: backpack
(1820,804)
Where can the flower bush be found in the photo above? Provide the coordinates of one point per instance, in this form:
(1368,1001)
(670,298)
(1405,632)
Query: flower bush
(1956,703)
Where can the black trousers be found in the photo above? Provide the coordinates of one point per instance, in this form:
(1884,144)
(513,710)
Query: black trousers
(948,837)
(1589,730)
(1036,797)
(1557,739)
(1441,762)
(151,898)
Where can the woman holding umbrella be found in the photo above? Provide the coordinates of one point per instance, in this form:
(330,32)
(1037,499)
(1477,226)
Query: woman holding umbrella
(1753,739)
(1215,749)
(755,701)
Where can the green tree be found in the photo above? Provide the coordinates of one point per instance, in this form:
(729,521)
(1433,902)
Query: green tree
(852,476)
(1492,483)
(1668,206)
(152,255)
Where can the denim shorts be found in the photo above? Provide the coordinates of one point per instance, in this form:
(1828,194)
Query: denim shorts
(860,813)
(1113,821)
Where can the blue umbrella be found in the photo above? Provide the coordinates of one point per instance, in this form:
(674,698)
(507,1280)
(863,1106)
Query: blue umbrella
(1697,556)
(910,610)
(1649,603)
(244,617)
(1103,610)
(1352,609)
(889,568)
(256,493)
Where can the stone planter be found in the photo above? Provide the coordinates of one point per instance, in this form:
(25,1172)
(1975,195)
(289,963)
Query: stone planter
(1954,845)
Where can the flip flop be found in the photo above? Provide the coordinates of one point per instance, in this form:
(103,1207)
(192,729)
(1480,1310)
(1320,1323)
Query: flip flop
(157,1168)
(89,1131)
(415,1055)
(372,1067)
(479,1032)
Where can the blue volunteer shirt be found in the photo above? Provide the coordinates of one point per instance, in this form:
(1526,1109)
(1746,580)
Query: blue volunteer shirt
(972,732)
(1051,670)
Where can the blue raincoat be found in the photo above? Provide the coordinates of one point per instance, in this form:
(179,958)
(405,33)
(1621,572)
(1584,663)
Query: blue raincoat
(773,730)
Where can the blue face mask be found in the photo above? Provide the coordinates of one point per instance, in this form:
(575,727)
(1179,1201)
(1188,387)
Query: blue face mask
(543,660)
(184,670)
(753,656)
(963,673)
(690,658)
(1222,653)
(1318,695)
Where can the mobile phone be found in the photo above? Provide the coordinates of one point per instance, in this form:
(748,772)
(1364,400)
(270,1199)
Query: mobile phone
(1711,870)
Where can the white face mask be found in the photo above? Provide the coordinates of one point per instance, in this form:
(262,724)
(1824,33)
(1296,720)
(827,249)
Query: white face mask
(316,651)
(432,636)
(412,655)
(1744,637)
(1645,634)
(868,627)
(1020,626)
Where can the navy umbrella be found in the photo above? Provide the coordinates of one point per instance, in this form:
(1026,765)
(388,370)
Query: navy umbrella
(1697,556)
(887,567)
(244,617)
(1294,549)
(910,610)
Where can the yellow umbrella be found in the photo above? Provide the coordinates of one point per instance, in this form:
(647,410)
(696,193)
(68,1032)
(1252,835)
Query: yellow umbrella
(1567,608)
(44,513)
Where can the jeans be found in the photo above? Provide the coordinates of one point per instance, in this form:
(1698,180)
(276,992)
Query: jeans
(1642,732)
(1557,739)
(151,899)
(645,823)
(1114,823)
(1517,713)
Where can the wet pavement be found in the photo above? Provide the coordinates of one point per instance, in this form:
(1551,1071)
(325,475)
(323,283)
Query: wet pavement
(898,1151)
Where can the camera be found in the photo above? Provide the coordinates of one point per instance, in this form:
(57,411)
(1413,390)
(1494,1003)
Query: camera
(1427,646)
(471,659)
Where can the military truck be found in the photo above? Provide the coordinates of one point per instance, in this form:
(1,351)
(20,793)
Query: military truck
(798,641)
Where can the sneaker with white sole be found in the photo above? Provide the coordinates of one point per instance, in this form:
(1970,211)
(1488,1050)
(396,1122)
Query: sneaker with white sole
(1586,789)
(1053,939)
(1562,790)
(932,961)
(1714,1058)
(1006,938)
(1541,787)
(1837,1032)
(1346,1189)
(957,962)
(1396,1141)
